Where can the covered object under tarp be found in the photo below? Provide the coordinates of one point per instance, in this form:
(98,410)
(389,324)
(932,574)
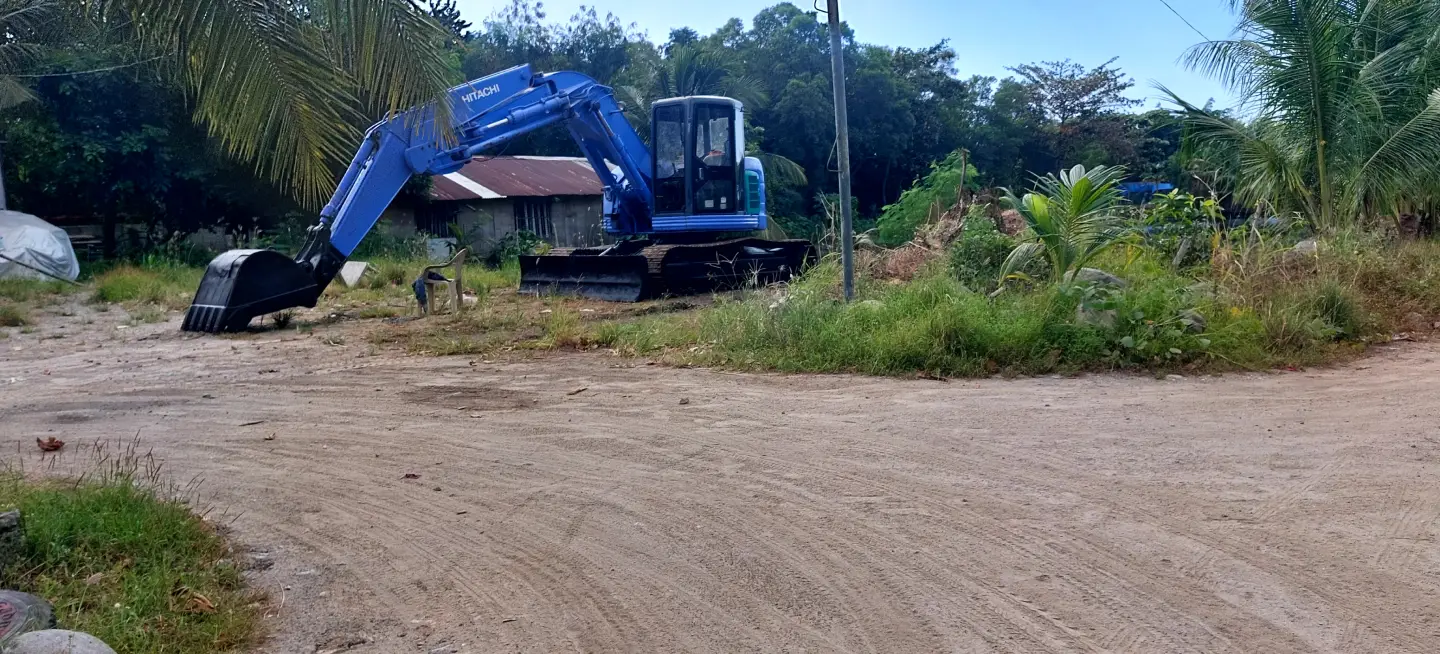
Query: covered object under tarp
(27,240)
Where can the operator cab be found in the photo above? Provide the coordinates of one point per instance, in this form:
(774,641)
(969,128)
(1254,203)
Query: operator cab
(699,145)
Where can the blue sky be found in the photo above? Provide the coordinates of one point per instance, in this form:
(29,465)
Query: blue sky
(987,35)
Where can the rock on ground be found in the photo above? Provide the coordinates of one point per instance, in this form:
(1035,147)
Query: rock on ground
(22,612)
(1195,322)
(58,641)
(11,537)
(1096,276)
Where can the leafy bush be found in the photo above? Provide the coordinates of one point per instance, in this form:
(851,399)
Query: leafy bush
(976,256)
(383,241)
(933,324)
(938,190)
(1181,227)
(514,244)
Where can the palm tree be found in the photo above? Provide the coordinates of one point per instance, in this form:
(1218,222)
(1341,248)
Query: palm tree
(1071,218)
(1346,117)
(27,25)
(288,84)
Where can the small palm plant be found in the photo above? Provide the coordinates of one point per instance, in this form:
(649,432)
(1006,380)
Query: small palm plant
(1071,219)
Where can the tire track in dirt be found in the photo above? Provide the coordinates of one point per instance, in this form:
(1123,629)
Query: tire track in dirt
(1256,513)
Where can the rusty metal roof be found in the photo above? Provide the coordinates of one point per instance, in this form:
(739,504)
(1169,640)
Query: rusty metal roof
(489,178)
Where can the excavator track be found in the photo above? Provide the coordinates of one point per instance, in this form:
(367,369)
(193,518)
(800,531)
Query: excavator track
(643,271)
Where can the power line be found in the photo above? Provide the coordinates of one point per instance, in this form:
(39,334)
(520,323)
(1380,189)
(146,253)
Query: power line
(1183,19)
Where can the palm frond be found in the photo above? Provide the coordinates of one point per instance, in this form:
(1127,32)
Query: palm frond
(288,86)
(781,169)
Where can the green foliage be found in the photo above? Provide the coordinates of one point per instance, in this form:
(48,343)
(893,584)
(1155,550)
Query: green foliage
(117,144)
(24,289)
(1287,313)
(1181,227)
(384,242)
(393,272)
(1071,219)
(932,324)
(927,199)
(977,255)
(1345,113)
(288,86)
(122,560)
(512,245)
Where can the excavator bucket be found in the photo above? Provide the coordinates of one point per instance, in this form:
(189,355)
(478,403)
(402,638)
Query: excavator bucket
(583,272)
(241,284)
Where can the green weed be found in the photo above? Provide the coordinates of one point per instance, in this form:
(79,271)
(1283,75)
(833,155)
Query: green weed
(28,290)
(122,558)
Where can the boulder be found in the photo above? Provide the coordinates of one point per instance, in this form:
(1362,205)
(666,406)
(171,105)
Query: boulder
(352,272)
(1195,322)
(1308,246)
(1095,276)
(12,538)
(1413,322)
(1102,318)
(1202,289)
(58,641)
(21,613)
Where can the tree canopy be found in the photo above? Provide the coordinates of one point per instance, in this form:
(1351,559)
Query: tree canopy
(286,87)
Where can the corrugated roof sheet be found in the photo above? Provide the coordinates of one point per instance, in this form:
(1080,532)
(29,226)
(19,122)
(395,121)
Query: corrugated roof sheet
(488,178)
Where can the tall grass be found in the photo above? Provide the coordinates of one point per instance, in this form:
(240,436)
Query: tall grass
(120,554)
(1278,309)
(29,290)
(164,284)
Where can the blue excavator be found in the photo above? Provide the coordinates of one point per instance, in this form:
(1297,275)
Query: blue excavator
(678,214)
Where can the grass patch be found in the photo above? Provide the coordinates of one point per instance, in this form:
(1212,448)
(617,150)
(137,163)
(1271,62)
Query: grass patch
(147,315)
(121,559)
(1278,310)
(13,315)
(29,290)
(169,286)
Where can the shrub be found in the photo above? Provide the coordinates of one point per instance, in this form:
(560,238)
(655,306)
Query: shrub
(512,245)
(938,190)
(392,272)
(976,257)
(1180,227)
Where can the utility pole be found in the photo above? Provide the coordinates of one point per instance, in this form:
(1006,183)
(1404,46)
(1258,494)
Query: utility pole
(842,135)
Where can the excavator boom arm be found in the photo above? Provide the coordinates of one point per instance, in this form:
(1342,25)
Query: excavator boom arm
(487,113)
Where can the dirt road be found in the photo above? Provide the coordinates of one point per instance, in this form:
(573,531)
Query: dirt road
(665,510)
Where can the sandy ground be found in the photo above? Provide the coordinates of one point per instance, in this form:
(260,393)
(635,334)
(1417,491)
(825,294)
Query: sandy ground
(664,510)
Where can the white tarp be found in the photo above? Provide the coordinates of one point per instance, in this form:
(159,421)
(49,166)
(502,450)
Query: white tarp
(35,243)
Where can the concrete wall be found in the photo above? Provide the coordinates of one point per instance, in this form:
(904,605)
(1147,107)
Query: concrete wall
(576,220)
